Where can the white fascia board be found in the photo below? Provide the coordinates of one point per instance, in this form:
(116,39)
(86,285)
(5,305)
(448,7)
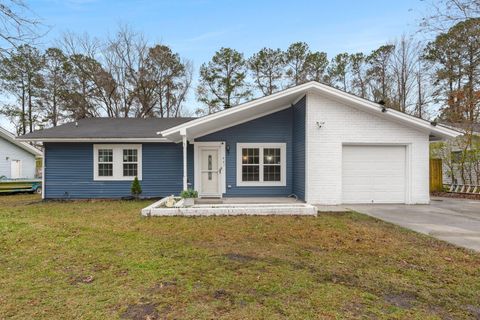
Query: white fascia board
(240,108)
(390,113)
(460,130)
(247,119)
(119,140)
(316,87)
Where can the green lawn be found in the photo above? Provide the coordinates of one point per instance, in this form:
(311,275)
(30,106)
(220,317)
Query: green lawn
(95,260)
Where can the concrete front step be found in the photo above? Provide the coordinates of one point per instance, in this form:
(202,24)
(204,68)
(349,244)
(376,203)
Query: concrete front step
(232,209)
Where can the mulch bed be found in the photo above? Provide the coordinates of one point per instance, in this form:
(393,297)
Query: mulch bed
(456,195)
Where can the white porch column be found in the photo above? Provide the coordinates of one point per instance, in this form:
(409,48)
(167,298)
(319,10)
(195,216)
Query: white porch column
(185,178)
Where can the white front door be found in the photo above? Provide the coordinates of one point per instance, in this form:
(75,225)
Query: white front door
(209,164)
(209,171)
(16,169)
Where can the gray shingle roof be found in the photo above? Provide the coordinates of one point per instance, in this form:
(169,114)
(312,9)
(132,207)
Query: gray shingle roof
(91,128)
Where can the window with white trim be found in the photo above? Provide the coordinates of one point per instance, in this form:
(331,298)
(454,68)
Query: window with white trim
(130,162)
(105,162)
(261,164)
(117,161)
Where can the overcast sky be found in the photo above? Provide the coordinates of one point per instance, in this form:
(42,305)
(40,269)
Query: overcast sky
(197,28)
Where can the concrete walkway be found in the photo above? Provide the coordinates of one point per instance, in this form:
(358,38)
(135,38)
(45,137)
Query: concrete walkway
(454,220)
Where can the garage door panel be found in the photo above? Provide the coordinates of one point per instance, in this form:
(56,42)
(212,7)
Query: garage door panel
(373,174)
(387,182)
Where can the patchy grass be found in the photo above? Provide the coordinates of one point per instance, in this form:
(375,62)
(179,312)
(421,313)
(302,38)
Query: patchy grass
(97,260)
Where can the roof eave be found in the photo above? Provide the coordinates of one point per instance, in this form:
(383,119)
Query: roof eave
(443,132)
(241,108)
(40,139)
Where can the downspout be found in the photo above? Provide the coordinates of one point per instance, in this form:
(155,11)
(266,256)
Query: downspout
(43,171)
(183,133)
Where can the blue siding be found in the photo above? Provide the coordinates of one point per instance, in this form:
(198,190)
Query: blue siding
(69,172)
(69,166)
(276,127)
(298,137)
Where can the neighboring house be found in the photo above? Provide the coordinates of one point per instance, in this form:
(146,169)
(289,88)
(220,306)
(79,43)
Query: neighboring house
(17,159)
(321,144)
(452,163)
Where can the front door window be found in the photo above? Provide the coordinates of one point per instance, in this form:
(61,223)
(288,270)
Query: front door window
(209,172)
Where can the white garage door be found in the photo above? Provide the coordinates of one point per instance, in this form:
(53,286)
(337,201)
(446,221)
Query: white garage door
(373,174)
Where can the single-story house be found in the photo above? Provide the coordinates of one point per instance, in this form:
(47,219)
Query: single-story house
(17,159)
(313,141)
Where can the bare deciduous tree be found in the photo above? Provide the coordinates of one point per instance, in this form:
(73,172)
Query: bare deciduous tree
(17,26)
(444,14)
(404,66)
(170,79)
(125,58)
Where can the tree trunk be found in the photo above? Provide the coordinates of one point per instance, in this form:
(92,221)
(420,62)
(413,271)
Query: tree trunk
(54,108)
(22,117)
(30,118)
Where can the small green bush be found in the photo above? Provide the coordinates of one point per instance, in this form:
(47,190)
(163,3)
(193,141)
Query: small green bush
(189,193)
(136,188)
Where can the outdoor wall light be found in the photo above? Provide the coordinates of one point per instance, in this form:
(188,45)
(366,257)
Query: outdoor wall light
(382,103)
(320,124)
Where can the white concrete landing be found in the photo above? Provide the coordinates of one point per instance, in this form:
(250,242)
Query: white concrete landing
(242,207)
(332,208)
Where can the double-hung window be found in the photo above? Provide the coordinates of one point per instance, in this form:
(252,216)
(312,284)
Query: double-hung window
(105,162)
(261,164)
(130,162)
(117,161)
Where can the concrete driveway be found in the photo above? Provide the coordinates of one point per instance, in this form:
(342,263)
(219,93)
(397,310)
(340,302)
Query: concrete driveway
(454,220)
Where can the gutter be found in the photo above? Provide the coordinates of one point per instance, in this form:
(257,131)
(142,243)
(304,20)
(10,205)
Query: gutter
(94,139)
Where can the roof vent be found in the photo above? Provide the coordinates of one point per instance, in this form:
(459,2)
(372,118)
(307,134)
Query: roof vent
(76,123)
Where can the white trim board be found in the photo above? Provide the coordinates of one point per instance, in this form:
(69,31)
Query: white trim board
(117,162)
(232,124)
(263,106)
(43,173)
(283,165)
(306,156)
(120,140)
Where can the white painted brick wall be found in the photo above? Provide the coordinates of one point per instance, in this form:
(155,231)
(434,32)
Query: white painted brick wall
(344,124)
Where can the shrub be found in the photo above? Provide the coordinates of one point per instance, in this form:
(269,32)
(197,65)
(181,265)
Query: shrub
(189,193)
(136,188)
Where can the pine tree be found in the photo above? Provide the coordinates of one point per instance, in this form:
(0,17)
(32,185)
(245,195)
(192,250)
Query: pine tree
(136,188)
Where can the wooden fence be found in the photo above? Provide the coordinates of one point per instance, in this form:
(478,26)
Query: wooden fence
(436,175)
